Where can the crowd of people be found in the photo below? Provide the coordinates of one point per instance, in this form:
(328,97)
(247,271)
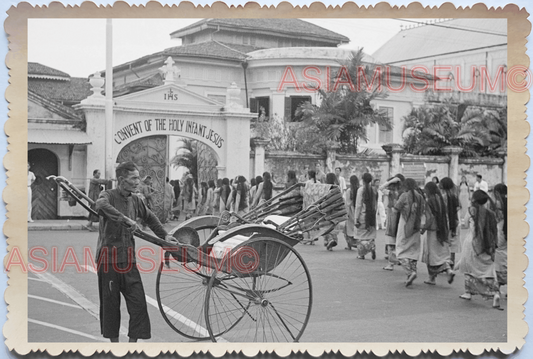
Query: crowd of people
(418,223)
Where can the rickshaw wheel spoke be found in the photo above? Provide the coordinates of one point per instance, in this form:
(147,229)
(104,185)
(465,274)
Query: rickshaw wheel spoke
(271,303)
(180,290)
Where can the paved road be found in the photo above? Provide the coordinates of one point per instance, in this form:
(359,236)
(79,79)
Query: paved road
(354,300)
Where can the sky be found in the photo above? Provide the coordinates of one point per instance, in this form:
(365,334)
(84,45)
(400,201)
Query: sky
(77,46)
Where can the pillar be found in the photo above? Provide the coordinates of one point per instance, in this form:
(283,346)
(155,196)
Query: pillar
(331,157)
(278,104)
(502,153)
(453,166)
(259,158)
(394,151)
(237,134)
(93,108)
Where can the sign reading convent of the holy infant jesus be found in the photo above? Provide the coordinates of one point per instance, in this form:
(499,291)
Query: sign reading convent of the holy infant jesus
(171,110)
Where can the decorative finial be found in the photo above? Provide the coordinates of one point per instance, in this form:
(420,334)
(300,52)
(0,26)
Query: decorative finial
(170,72)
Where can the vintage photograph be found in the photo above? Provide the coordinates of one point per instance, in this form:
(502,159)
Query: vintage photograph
(269,180)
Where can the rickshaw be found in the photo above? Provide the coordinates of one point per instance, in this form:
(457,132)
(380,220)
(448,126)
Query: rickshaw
(229,278)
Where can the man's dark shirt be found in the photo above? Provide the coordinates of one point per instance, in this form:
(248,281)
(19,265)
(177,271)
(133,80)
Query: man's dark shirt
(113,234)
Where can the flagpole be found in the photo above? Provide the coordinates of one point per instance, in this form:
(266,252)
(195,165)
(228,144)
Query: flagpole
(109,168)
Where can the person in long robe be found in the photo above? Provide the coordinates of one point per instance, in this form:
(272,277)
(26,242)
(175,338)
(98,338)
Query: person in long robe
(393,188)
(478,254)
(350,198)
(330,239)
(500,259)
(95,187)
(411,206)
(453,207)
(168,200)
(436,253)
(365,218)
(464,198)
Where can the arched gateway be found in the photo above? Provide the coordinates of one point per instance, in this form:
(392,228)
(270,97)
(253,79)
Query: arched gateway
(144,121)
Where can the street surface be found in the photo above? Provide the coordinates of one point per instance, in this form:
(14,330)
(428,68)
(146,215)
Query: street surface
(353,300)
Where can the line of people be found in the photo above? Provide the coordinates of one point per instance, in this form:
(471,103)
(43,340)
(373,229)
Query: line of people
(482,255)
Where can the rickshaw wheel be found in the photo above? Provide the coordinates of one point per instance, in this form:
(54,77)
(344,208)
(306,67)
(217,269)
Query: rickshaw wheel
(265,301)
(180,290)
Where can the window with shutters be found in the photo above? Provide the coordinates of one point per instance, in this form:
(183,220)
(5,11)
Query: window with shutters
(385,135)
(261,106)
(291,105)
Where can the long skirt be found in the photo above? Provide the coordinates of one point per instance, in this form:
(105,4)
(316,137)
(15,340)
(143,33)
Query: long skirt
(435,255)
(500,258)
(455,241)
(407,248)
(479,270)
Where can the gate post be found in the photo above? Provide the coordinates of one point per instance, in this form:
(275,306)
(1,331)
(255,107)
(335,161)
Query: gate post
(259,159)
(394,150)
(453,166)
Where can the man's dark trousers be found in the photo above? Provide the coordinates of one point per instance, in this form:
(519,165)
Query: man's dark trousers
(117,278)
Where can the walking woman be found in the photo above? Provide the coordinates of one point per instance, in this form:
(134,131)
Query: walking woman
(411,206)
(464,198)
(330,239)
(225,191)
(449,195)
(190,194)
(210,197)
(394,187)
(350,198)
(500,202)
(264,190)
(365,218)
(477,256)
(436,252)
(241,198)
(202,199)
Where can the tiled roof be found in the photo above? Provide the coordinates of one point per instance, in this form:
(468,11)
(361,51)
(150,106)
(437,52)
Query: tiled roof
(35,68)
(64,111)
(213,49)
(291,27)
(441,38)
(72,91)
(142,83)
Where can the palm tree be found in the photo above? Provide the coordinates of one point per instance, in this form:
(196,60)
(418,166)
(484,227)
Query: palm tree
(428,129)
(186,156)
(344,115)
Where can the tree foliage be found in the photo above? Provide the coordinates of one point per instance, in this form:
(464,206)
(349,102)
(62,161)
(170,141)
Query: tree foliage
(344,112)
(480,132)
(186,156)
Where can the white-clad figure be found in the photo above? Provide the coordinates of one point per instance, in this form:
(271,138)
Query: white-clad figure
(31,179)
